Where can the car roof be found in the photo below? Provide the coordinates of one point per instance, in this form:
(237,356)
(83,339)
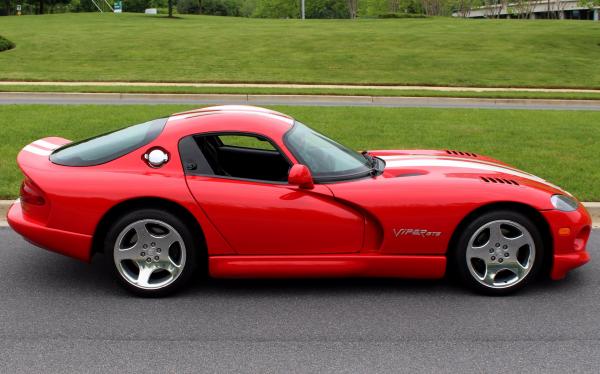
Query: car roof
(243,118)
(223,109)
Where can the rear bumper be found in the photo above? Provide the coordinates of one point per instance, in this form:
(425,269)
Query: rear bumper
(570,233)
(67,243)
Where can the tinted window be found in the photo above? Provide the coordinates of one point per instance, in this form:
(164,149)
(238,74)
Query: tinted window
(244,156)
(245,141)
(107,147)
(326,159)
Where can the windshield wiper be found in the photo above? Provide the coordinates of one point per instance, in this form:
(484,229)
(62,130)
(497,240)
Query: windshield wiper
(373,164)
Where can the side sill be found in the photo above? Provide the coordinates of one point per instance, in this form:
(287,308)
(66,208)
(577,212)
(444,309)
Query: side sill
(327,266)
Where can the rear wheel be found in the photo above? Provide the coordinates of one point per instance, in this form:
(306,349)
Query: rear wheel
(151,252)
(499,252)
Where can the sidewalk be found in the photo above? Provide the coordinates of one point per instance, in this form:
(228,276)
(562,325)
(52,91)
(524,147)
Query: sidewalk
(60,98)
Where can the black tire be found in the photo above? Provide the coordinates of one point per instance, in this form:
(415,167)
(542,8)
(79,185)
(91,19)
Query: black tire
(458,257)
(189,261)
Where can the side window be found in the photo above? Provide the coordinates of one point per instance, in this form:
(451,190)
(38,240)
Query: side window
(234,155)
(244,141)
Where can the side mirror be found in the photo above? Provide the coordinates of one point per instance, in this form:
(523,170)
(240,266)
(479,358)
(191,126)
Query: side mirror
(300,176)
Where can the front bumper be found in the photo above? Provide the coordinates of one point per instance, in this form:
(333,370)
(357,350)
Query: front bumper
(67,243)
(570,233)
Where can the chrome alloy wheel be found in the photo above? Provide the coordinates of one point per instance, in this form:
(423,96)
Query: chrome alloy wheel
(149,254)
(500,254)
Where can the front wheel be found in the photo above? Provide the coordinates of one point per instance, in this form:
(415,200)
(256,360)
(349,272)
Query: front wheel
(151,252)
(499,252)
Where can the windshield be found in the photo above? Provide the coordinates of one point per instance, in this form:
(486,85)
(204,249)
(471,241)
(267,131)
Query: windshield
(326,159)
(108,147)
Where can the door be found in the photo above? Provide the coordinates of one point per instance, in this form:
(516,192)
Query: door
(240,181)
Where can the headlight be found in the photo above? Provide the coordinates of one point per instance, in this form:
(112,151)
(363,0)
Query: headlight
(564,203)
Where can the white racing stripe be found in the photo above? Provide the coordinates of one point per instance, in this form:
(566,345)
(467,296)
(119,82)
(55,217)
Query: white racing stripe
(286,120)
(45,144)
(37,151)
(389,159)
(393,161)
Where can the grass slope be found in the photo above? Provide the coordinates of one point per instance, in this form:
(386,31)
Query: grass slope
(561,146)
(304,91)
(436,51)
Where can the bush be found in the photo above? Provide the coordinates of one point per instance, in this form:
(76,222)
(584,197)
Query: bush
(327,9)
(137,6)
(210,7)
(6,44)
(277,9)
(401,15)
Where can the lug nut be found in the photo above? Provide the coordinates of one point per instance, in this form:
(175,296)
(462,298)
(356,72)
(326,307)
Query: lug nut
(504,246)
(506,254)
(153,244)
(491,250)
(500,260)
(143,254)
(148,259)
(158,250)
(497,244)
(145,246)
(493,258)
(156,258)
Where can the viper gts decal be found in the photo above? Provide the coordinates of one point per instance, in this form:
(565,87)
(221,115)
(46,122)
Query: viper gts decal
(416,232)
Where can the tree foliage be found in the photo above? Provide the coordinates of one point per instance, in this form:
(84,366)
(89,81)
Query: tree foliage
(327,9)
(277,9)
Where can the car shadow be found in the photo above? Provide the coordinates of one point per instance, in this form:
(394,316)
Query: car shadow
(57,272)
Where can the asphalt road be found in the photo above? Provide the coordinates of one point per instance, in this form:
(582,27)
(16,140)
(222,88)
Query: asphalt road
(294,100)
(60,315)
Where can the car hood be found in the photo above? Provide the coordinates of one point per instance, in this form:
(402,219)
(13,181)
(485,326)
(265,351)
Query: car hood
(469,165)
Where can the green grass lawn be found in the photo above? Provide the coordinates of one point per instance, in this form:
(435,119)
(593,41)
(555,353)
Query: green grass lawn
(304,91)
(432,51)
(561,146)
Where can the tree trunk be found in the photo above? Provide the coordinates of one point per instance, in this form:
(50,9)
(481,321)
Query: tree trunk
(353,8)
(170,8)
(41,9)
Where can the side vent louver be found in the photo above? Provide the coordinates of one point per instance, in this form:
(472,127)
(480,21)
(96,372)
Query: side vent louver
(460,153)
(499,180)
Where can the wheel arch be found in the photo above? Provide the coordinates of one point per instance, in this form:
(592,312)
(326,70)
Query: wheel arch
(525,209)
(144,203)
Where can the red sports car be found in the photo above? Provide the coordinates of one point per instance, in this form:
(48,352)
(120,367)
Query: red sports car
(240,191)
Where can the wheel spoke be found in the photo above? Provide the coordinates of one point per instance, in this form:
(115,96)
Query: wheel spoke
(143,279)
(490,273)
(477,252)
(143,235)
(131,253)
(165,242)
(514,266)
(518,242)
(496,235)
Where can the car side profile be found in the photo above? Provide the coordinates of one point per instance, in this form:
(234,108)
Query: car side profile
(246,192)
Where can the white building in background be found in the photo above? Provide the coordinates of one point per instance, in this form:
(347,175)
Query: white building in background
(558,9)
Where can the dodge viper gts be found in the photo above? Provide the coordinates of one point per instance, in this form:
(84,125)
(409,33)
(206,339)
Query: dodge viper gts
(241,191)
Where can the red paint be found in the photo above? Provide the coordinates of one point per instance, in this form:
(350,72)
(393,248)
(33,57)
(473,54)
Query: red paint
(263,229)
(300,176)
(326,266)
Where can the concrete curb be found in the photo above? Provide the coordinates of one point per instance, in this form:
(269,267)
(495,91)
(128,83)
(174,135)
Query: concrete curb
(592,207)
(317,100)
(298,85)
